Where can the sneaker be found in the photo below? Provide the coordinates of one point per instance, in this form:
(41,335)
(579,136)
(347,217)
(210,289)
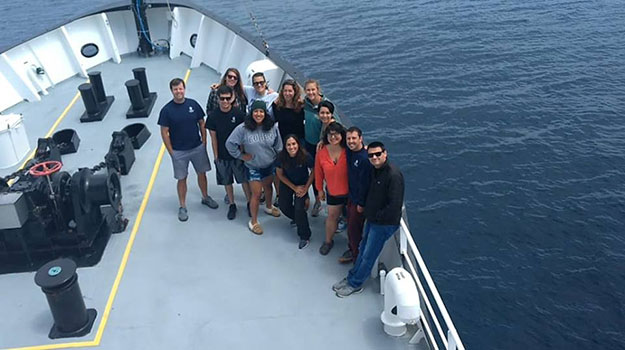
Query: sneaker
(340,284)
(347,290)
(249,212)
(256,228)
(293,223)
(316,209)
(275,203)
(226,199)
(347,257)
(273,211)
(326,247)
(232,211)
(342,225)
(303,243)
(182,214)
(208,201)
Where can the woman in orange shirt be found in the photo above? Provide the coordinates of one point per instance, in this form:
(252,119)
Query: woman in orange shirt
(331,166)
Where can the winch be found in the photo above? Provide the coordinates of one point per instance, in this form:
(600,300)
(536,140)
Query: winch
(47,213)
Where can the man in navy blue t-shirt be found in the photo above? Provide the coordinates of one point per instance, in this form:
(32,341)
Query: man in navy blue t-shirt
(184,136)
(359,173)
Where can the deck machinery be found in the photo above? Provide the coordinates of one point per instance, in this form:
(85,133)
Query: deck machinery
(46,213)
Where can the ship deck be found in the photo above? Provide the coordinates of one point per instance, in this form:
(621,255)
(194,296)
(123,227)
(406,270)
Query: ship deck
(204,283)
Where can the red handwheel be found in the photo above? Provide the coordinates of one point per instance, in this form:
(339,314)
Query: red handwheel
(45,168)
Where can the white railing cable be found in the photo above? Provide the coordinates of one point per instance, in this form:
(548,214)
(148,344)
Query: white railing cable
(430,282)
(428,331)
(427,301)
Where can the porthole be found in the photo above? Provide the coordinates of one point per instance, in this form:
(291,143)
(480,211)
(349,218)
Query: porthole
(89,50)
(192,40)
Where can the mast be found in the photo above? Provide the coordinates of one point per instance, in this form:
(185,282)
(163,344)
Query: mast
(146,48)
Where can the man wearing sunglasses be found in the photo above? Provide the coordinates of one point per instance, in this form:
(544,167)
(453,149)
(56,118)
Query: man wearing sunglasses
(385,198)
(220,125)
(260,91)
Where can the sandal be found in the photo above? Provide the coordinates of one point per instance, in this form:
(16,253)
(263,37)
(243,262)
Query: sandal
(255,228)
(273,211)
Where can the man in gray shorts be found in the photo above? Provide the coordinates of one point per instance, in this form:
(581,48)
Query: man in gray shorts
(184,136)
(220,124)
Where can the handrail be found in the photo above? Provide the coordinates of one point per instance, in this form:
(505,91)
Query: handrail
(453,339)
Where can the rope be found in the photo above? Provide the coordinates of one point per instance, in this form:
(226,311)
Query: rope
(257,27)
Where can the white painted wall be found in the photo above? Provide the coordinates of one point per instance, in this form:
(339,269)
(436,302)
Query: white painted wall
(115,34)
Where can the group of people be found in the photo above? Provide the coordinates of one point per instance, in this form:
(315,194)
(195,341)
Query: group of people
(288,142)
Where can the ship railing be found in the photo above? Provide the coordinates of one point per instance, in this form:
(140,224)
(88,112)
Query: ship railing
(427,291)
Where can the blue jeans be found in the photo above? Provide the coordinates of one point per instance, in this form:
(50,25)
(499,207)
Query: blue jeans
(373,240)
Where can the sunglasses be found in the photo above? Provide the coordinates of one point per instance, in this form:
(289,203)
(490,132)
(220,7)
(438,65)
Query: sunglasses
(375,154)
(232,77)
(258,83)
(225,98)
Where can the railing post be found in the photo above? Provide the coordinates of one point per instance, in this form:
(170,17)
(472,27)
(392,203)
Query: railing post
(403,241)
(451,341)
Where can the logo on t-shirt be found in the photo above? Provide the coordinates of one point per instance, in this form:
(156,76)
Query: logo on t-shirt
(356,163)
(233,120)
(191,109)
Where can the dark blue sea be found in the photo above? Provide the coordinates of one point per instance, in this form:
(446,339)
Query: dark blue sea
(508,121)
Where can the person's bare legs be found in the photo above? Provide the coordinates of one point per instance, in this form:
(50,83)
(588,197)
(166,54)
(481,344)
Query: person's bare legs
(276,185)
(247,190)
(256,188)
(230,193)
(202,184)
(334,212)
(181,186)
(267,186)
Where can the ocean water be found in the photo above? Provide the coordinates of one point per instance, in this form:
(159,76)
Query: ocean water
(508,121)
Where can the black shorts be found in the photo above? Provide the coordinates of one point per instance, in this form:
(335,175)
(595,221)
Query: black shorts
(338,200)
(229,169)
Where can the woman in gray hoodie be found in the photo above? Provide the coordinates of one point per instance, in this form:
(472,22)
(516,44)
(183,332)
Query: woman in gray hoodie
(257,142)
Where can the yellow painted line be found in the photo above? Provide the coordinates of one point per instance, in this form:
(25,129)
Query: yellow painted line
(131,240)
(122,267)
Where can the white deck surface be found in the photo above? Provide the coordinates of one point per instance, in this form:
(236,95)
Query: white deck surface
(208,283)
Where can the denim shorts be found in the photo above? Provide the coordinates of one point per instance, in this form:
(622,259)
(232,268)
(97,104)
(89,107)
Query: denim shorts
(261,173)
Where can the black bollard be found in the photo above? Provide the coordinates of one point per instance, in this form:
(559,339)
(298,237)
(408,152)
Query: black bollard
(95,78)
(98,95)
(139,74)
(88,98)
(137,110)
(134,93)
(59,281)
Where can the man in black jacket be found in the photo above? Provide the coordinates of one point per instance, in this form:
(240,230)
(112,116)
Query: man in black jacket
(382,212)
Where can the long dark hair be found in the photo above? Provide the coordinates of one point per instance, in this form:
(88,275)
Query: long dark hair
(250,123)
(297,100)
(300,157)
(334,127)
(238,88)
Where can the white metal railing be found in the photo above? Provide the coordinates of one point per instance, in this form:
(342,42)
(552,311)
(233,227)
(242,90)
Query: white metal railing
(451,340)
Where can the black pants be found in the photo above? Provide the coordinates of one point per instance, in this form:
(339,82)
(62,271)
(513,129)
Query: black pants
(294,208)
